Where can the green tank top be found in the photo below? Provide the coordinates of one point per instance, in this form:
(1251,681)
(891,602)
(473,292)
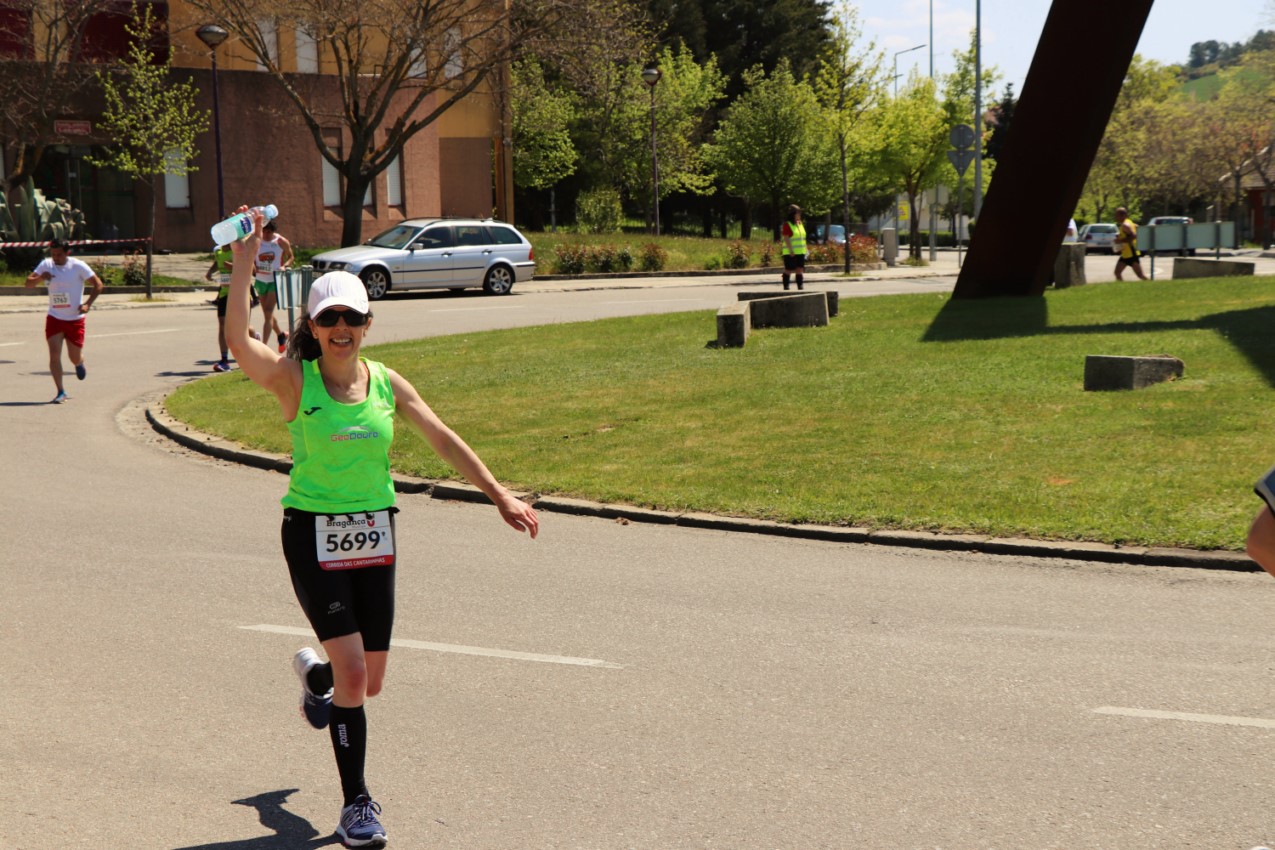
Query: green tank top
(341,452)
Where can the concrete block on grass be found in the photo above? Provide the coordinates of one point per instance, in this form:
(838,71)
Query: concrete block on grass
(789,310)
(753,295)
(1069,265)
(1108,372)
(733,325)
(1184,267)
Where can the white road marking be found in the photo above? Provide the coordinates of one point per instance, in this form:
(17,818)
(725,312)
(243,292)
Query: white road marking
(3,344)
(459,650)
(137,333)
(1259,722)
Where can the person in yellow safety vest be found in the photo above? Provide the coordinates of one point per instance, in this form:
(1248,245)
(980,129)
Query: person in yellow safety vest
(794,247)
(1127,240)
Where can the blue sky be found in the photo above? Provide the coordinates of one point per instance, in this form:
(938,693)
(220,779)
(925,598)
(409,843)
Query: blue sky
(1011,29)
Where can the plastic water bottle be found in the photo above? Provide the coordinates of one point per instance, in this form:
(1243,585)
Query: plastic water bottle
(239,225)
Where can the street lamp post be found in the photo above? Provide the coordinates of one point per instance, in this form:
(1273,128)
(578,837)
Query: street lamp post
(213,35)
(978,108)
(651,75)
(897,54)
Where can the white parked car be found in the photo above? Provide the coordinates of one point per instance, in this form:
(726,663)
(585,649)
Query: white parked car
(437,253)
(1098,237)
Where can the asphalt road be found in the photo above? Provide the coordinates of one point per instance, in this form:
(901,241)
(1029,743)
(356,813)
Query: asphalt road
(606,686)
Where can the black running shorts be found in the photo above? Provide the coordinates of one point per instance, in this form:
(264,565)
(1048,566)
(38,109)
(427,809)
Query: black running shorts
(338,602)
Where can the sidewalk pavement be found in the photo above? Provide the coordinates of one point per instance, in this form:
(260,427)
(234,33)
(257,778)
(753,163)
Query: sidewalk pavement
(189,267)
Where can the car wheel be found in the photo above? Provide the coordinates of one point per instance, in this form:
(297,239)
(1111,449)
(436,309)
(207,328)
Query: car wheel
(377,282)
(499,280)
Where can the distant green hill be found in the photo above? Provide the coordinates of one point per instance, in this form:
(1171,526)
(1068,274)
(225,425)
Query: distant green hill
(1203,88)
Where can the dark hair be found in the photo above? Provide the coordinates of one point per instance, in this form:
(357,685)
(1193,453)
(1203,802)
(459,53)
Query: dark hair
(60,244)
(270,225)
(301,342)
(793,212)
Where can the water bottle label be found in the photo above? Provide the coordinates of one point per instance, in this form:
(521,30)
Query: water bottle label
(244,226)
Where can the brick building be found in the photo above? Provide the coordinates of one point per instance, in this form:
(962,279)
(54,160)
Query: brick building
(455,166)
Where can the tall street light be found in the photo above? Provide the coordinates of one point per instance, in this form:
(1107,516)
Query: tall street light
(651,75)
(897,54)
(978,108)
(213,35)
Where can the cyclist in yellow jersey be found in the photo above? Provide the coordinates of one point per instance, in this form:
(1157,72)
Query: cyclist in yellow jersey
(338,526)
(1127,240)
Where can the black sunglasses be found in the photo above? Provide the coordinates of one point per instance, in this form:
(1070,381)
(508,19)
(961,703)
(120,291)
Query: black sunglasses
(329,318)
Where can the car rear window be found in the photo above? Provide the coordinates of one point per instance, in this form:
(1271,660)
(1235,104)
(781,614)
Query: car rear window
(504,235)
(470,234)
(1103,228)
(436,237)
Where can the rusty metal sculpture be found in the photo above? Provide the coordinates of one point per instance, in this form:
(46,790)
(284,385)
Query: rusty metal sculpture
(1051,145)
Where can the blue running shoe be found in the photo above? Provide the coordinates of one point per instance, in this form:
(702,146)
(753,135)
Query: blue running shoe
(60,397)
(221,366)
(315,708)
(359,826)
(80,371)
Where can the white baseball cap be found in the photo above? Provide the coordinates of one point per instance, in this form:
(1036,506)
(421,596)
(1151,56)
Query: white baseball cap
(337,289)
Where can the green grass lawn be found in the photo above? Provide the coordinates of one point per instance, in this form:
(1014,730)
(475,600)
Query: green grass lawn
(909,411)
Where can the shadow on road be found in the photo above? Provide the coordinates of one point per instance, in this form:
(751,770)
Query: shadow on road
(292,832)
(1002,318)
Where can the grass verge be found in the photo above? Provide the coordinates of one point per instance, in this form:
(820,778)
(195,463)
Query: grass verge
(910,411)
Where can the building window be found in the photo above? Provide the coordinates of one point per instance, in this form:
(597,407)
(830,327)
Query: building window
(454,65)
(269,29)
(394,182)
(106,38)
(15,34)
(331,177)
(176,181)
(419,67)
(307,51)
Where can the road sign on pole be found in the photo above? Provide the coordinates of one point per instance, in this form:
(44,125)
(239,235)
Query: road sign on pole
(962,136)
(960,160)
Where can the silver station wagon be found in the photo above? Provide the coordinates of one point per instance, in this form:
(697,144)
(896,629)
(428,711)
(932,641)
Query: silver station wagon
(437,253)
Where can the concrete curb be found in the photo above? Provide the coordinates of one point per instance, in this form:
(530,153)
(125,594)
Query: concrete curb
(183,434)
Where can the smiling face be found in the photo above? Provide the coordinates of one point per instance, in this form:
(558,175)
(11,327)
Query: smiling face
(340,340)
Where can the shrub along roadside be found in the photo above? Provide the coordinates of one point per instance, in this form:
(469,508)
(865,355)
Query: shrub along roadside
(577,256)
(907,412)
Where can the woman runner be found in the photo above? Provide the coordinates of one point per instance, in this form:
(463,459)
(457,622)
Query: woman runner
(338,519)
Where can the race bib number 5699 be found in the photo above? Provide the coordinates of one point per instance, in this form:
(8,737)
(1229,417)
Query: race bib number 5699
(351,541)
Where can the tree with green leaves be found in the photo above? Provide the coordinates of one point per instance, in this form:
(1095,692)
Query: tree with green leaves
(744,33)
(913,135)
(774,146)
(686,92)
(152,120)
(1119,175)
(543,150)
(849,84)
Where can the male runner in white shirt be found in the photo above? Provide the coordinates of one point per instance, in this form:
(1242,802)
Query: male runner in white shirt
(65,277)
